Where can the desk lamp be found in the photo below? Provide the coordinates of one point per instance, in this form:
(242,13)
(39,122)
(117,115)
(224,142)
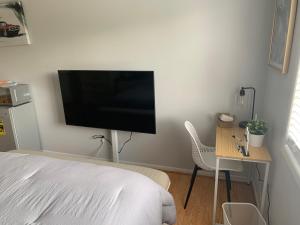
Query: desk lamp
(243,124)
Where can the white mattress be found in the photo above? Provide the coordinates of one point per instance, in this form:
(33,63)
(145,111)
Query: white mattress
(43,190)
(157,176)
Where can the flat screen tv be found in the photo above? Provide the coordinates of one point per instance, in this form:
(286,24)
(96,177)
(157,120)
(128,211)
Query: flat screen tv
(115,100)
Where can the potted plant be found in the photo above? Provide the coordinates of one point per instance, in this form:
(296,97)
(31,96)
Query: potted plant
(257,130)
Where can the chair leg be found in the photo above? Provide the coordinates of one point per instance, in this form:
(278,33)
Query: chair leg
(228,185)
(229,179)
(196,168)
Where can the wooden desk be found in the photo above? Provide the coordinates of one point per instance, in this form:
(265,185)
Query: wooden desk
(226,150)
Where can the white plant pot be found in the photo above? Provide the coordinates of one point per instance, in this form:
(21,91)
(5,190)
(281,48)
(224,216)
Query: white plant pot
(256,140)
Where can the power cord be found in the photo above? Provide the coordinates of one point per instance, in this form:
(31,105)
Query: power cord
(125,142)
(101,144)
(102,137)
(268,193)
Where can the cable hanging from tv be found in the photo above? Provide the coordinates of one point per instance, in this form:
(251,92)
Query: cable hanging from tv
(102,140)
(99,147)
(96,136)
(102,137)
(125,142)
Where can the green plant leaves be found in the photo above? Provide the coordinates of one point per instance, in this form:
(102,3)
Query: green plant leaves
(257,127)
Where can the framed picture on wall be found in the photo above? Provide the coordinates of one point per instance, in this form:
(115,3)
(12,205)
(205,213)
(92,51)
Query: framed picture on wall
(282,34)
(13,26)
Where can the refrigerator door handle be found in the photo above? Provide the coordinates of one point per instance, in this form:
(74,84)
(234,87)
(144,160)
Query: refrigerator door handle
(13,124)
(15,94)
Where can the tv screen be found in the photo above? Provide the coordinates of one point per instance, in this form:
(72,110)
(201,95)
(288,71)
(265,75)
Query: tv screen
(116,100)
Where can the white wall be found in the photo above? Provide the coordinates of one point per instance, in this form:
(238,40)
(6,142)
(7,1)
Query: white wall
(284,190)
(202,51)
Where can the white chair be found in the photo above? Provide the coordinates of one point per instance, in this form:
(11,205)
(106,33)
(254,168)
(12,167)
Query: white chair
(205,159)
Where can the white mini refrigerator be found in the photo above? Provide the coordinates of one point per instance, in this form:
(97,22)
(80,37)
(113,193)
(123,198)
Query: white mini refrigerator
(19,128)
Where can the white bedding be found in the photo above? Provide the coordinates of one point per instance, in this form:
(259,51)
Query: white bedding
(41,190)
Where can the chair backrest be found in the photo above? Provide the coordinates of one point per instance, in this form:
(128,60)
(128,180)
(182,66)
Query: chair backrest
(197,147)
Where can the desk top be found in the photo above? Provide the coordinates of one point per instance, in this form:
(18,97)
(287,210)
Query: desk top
(226,147)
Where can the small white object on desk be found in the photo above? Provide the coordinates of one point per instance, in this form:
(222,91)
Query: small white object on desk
(247,133)
(226,118)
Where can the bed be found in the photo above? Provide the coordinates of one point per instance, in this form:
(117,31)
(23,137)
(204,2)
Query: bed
(51,188)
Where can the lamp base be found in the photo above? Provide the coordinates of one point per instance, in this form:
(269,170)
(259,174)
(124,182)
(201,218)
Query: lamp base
(243,124)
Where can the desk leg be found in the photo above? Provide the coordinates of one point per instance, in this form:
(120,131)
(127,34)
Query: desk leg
(264,192)
(249,174)
(216,191)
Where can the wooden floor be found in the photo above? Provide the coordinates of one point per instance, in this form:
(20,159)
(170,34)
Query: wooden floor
(199,209)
